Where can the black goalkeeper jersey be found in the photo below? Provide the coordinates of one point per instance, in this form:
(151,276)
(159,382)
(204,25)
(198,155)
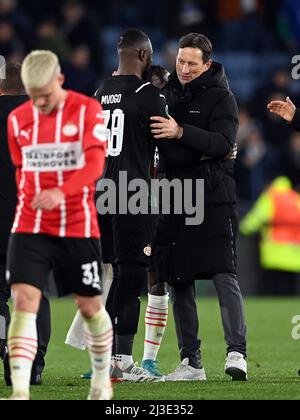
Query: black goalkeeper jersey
(128,104)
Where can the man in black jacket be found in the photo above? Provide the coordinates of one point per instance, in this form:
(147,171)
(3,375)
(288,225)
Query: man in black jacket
(12,95)
(286,110)
(199,142)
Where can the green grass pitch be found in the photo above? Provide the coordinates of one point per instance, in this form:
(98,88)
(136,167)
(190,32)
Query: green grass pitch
(274,358)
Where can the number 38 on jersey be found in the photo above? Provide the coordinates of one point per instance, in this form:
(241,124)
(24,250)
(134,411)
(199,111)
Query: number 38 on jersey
(114,122)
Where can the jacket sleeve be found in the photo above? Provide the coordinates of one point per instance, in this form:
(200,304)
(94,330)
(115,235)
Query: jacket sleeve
(296,120)
(219,140)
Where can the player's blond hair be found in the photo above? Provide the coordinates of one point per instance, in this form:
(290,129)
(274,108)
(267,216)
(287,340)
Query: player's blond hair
(39,68)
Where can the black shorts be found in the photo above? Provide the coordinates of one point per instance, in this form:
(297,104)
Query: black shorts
(4,288)
(75,263)
(127,238)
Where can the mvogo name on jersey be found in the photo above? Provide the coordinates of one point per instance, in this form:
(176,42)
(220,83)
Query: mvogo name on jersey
(51,157)
(111,99)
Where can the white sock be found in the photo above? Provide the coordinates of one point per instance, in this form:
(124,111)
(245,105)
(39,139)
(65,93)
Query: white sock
(75,337)
(99,339)
(2,328)
(22,346)
(123,361)
(156,319)
(107,282)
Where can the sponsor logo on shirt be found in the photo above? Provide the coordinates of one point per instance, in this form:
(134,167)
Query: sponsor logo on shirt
(25,134)
(99,132)
(70,130)
(53,157)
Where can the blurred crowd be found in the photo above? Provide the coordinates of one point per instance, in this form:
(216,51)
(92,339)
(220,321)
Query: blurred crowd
(84,35)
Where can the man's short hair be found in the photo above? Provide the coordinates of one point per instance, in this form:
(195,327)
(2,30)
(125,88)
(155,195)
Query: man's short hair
(199,41)
(12,83)
(133,39)
(160,72)
(39,68)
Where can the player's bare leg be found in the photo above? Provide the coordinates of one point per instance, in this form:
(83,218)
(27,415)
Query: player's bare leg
(99,337)
(22,338)
(156,319)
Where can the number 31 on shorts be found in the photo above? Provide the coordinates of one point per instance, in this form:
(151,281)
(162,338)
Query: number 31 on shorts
(91,275)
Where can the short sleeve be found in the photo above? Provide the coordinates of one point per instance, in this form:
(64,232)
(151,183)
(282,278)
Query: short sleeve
(155,103)
(94,129)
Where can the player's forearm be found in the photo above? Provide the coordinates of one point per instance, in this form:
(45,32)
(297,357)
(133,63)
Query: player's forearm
(93,170)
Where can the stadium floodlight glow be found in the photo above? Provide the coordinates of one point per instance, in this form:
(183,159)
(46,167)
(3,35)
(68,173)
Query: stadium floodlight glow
(2,67)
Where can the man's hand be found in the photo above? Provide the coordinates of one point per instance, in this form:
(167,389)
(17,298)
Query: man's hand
(165,128)
(48,200)
(285,110)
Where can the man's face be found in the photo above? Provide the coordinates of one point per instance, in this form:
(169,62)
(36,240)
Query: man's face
(48,98)
(190,65)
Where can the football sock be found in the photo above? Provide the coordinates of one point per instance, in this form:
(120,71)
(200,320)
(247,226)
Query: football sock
(107,282)
(99,338)
(22,346)
(156,321)
(124,344)
(2,335)
(124,350)
(123,361)
(75,336)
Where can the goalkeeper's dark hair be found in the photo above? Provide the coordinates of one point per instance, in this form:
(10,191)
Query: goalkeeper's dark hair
(133,39)
(159,72)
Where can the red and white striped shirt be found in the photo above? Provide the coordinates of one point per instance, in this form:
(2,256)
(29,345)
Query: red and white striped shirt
(49,151)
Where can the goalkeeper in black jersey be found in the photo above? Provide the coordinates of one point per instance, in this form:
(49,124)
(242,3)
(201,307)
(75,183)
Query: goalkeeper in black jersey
(127,239)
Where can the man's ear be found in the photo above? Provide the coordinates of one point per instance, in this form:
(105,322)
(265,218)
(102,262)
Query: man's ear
(142,55)
(61,79)
(208,65)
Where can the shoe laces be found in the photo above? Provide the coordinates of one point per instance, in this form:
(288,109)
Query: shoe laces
(137,370)
(235,357)
(180,368)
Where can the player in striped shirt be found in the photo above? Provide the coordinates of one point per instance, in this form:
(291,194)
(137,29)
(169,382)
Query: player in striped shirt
(58,145)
